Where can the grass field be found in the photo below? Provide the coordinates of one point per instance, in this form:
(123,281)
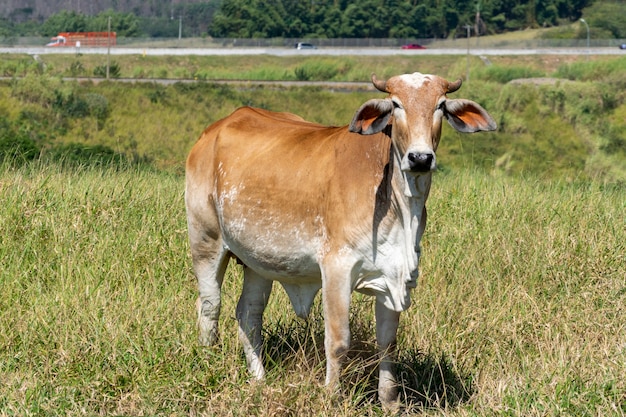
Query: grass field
(519,309)
(572,128)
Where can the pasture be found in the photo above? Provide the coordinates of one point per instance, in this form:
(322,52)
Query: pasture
(519,309)
(573,128)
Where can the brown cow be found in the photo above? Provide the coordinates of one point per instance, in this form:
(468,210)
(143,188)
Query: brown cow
(339,209)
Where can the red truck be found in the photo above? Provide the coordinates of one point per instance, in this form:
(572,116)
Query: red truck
(82,39)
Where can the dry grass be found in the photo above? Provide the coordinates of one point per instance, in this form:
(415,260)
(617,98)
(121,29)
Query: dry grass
(519,309)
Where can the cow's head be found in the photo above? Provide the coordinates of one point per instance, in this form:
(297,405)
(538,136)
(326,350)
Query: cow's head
(418,103)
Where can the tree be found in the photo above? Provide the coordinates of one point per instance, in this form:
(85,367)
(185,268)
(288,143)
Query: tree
(197,17)
(124,24)
(269,19)
(404,21)
(233,20)
(316,18)
(6,28)
(64,21)
(608,17)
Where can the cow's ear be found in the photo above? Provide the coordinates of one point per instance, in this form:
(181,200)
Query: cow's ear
(467,116)
(372,117)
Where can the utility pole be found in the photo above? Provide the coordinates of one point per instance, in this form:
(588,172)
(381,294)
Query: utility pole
(180,26)
(108,47)
(587,25)
(477,23)
(468,28)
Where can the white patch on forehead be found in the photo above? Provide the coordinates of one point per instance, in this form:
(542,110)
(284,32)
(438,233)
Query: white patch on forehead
(416,79)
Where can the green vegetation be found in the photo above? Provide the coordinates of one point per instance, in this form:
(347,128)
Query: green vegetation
(124,24)
(522,291)
(383,19)
(398,19)
(519,308)
(571,128)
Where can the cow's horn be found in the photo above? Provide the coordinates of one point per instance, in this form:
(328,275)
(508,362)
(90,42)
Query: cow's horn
(452,87)
(381,85)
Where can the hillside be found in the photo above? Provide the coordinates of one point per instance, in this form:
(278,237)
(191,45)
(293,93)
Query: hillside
(21,10)
(403,19)
(570,130)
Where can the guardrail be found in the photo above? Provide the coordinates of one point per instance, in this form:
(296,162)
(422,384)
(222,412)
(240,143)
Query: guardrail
(207,42)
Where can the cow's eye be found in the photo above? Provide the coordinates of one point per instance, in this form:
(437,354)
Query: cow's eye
(396,104)
(442,106)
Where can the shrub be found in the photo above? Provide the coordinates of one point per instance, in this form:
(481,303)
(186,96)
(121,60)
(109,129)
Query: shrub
(114,70)
(586,103)
(97,105)
(161,72)
(503,75)
(40,125)
(615,142)
(319,70)
(593,70)
(15,146)
(157,95)
(139,72)
(302,74)
(76,154)
(70,104)
(37,89)
(19,68)
(76,69)
(63,98)
(516,99)
(181,73)
(202,75)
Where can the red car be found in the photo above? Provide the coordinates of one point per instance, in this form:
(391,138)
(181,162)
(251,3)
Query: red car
(413,46)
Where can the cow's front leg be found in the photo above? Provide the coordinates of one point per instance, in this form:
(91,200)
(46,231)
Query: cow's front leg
(386,328)
(254,296)
(336,301)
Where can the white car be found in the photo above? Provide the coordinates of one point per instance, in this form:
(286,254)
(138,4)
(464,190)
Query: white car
(304,45)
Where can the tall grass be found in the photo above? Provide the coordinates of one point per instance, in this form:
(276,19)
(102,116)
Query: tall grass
(519,309)
(581,133)
(528,280)
(260,67)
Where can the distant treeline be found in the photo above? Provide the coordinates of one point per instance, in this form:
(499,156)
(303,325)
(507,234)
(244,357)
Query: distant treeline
(386,19)
(330,19)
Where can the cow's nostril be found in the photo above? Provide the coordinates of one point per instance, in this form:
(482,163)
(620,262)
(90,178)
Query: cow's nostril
(420,162)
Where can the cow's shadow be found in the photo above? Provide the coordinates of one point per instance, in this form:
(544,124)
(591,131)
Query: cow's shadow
(425,380)
(428,380)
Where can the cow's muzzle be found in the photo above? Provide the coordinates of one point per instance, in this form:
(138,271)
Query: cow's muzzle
(421,162)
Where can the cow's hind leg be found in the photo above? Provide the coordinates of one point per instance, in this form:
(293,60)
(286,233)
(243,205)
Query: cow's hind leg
(254,297)
(210,260)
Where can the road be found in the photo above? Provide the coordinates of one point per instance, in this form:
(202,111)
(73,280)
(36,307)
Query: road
(337,86)
(322,51)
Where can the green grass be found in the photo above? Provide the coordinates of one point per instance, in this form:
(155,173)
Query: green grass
(261,67)
(573,129)
(519,309)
